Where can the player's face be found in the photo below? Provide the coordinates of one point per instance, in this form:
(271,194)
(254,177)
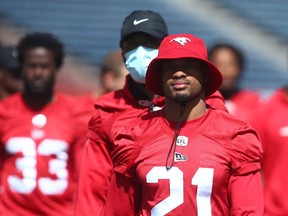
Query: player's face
(228,65)
(39,70)
(182,79)
(113,81)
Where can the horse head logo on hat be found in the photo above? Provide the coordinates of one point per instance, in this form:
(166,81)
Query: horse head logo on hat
(181,40)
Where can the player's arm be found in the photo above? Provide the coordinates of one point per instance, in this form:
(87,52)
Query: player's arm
(245,186)
(246,196)
(95,174)
(123,196)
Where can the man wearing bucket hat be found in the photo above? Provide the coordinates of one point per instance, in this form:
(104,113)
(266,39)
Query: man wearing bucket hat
(188,158)
(141,34)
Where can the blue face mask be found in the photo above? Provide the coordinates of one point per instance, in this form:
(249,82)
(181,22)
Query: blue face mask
(137,61)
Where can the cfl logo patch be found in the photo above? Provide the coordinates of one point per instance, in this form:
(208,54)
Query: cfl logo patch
(182,141)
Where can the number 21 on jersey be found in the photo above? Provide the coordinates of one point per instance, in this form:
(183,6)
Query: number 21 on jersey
(203,179)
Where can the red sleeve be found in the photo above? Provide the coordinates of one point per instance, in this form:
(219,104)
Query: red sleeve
(95,173)
(245,193)
(82,112)
(124,185)
(245,151)
(122,155)
(125,149)
(123,196)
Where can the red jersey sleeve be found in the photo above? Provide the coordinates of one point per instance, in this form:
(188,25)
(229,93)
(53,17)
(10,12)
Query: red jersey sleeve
(95,172)
(124,184)
(245,195)
(245,151)
(125,147)
(122,155)
(123,196)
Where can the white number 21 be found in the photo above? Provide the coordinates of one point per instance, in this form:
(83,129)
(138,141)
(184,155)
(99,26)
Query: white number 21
(203,178)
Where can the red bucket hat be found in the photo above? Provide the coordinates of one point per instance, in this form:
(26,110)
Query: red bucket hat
(182,46)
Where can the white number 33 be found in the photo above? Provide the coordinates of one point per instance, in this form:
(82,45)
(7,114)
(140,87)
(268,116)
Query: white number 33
(27,165)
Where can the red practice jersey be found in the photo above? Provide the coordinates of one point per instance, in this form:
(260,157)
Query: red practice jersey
(40,156)
(215,170)
(112,111)
(271,122)
(242,104)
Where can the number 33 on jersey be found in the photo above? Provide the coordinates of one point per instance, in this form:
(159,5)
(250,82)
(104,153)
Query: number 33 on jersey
(41,155)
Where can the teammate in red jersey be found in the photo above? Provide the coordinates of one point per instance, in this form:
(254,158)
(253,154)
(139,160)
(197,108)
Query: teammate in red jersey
(141,35)
(271,122)
(40,136)
(231,62)
(186,159)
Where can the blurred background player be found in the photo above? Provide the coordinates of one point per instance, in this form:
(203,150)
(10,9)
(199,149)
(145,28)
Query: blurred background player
(113,72)
(10,80)
(270,120)
(41,136)
(112,75)
(230,61)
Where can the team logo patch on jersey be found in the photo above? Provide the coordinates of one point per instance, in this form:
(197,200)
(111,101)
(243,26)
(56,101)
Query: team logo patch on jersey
(182,141)
(179,157)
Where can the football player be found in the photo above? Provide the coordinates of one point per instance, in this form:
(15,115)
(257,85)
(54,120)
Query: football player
(188,158)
